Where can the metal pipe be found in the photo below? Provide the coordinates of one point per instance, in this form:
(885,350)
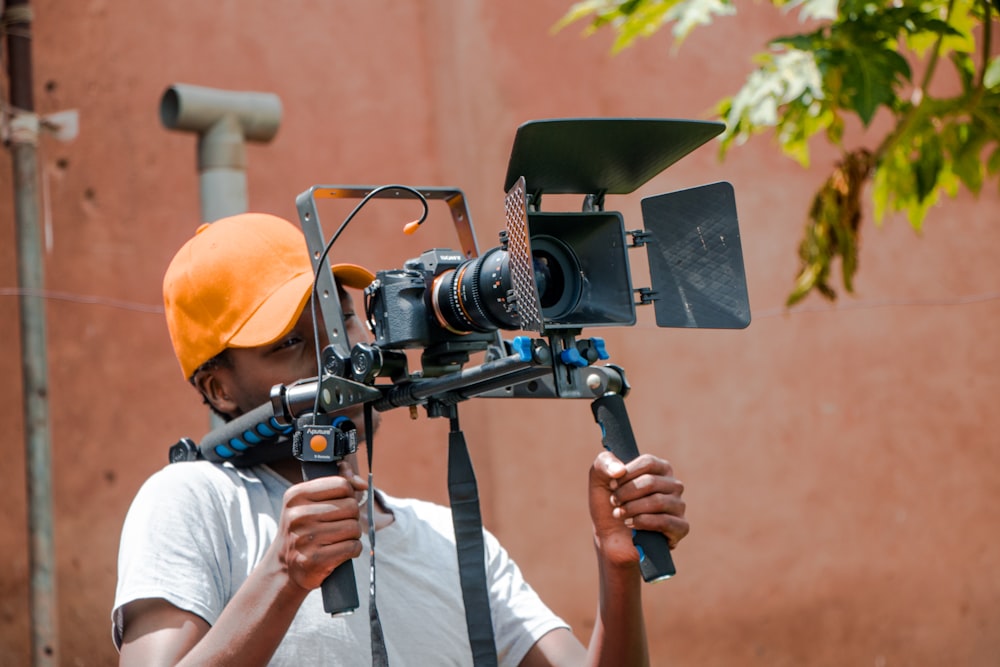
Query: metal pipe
(23,140)
(223,121)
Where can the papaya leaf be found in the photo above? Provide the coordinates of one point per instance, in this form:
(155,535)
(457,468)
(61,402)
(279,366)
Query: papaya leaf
(966,142)
(991,76)
(812,10)
(580,11)
(785,80)
(927,166)
(993,163)
(870,77)
(966,68)
(690,14)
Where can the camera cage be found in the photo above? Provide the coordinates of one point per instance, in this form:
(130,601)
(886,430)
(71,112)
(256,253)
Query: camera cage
(691,236)
(306,204)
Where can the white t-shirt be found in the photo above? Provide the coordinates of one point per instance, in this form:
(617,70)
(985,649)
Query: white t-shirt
(196,530)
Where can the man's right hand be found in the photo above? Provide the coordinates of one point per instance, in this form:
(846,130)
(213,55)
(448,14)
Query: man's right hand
(319,527)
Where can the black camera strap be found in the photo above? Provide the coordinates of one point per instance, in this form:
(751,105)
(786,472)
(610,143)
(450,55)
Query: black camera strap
(463,495)
(380,658)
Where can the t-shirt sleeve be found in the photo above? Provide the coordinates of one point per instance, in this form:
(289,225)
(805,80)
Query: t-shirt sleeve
(520,618)
(173,545)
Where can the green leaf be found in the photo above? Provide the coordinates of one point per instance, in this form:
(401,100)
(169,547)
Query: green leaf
(966,142)
(688,14)
(963,22)
(869,79)
(966,68)
(881,194)
(783,92)
(578,12)
(927,167)
(632,19)
(815,10)
(893,187)
(916,213)
(991,77)
(640,19)
(993,163)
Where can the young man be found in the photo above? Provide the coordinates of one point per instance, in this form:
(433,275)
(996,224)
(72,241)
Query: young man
(220,565)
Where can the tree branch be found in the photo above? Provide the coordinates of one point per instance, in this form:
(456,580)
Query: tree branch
(987,38)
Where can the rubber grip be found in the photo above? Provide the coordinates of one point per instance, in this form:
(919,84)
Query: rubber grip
(339,589)
(655,561)
(220,440)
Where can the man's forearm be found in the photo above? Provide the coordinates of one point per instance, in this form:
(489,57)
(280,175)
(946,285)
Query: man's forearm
(254,622)
(619,636)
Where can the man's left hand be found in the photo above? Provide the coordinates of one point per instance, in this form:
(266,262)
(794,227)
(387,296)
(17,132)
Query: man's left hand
(640,495)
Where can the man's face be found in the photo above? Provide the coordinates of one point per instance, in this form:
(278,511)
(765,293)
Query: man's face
(246,383)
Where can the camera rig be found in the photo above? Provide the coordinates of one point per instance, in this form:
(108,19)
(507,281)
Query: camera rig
(554,274)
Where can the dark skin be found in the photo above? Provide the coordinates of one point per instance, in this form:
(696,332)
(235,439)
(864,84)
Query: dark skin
(321,523)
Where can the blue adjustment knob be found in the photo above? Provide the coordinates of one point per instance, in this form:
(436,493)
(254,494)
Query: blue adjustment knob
(522,347)
(602,352)
(572,357)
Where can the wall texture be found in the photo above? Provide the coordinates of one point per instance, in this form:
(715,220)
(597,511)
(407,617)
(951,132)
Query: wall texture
(841,460)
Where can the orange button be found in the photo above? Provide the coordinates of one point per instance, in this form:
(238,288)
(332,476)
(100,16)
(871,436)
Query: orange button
(317,443)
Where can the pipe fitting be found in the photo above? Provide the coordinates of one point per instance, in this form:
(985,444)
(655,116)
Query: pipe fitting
(197,109)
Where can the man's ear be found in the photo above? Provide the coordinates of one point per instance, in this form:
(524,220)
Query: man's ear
(212,386)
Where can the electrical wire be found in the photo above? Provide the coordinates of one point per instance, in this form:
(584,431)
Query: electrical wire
(326,251)
(86,299)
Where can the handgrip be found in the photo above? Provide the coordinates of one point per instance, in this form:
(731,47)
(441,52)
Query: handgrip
(235,439)
(339,589)
(655,561)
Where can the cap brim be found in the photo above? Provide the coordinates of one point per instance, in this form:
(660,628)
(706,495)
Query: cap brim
(352,275)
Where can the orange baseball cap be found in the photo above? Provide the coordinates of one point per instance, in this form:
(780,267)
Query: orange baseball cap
(241,281)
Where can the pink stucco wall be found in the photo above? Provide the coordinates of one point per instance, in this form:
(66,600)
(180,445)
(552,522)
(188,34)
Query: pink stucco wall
(841,460)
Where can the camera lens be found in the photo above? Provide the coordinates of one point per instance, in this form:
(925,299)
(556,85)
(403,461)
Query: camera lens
(475,295)
(557,276)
